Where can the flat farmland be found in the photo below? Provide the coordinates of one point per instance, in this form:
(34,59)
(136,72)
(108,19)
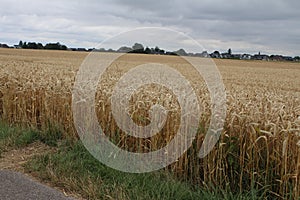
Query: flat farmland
(260,142)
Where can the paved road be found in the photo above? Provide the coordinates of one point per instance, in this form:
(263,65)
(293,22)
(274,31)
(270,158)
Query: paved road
(16,186)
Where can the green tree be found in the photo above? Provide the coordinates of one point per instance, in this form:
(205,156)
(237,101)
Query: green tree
(63,47)
(229,51)
(161,52)
(40,46)
(156,49)
(138,48)
(124,49)
(55,46)
(181,52)
(32,45)
(148,50)
(25,46)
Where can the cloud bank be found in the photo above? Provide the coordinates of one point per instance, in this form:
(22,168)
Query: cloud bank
(271,27)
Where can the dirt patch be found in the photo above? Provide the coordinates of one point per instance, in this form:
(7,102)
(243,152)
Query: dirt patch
(16,158)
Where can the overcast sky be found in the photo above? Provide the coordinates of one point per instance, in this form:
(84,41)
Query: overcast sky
(268,26)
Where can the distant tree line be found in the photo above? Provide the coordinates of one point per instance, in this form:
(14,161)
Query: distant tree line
(4,46)
(34,45)
(140,49)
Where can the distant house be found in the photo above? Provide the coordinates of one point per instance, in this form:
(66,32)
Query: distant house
(204,54)
(225,55)
(246,57)
(17,47)
(261,57)
(81,49)
(171,53)
(276,57)
(215,54)
(288,58)
(236,56)
(282,58)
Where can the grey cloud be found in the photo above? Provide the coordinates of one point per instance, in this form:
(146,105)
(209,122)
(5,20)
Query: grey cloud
(219,9)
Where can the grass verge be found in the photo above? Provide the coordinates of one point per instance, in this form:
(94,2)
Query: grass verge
(18,137)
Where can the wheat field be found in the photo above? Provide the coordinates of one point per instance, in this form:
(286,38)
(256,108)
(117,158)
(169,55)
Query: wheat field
(258,148)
